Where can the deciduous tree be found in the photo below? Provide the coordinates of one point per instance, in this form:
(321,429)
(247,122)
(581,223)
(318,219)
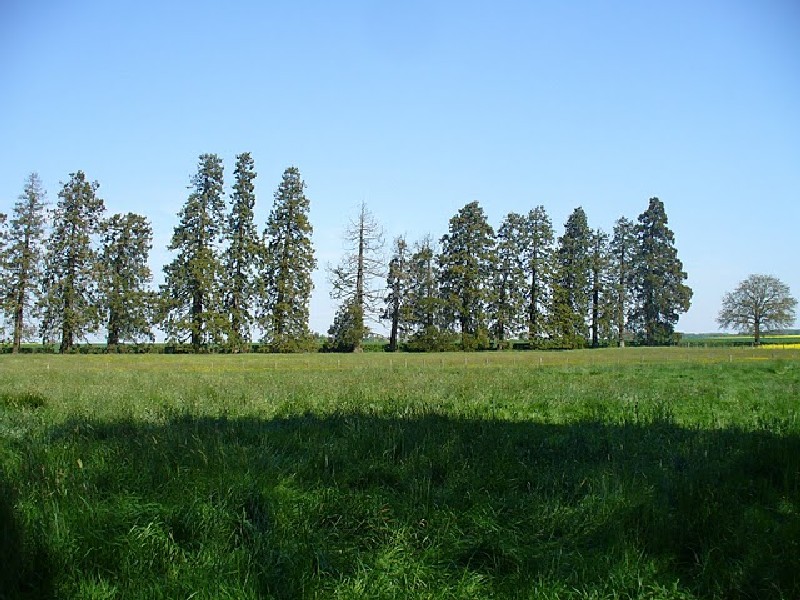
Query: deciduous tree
(70,299)
(759,303)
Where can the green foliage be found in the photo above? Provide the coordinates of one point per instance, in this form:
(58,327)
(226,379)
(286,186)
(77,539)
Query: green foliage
(467,263)
(425,304)
(538,254)
(759,303)
(290,263)
(622,257)
(21,272)
(571,292)
(659,290)
(127,302)
(397,310)
(432,339)
(70,299)
(192,295)
(243,256)
(507,308)
(347,331)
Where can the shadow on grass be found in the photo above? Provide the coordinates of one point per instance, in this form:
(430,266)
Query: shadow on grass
(397,507)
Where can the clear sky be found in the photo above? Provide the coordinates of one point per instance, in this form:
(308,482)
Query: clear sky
(419,107)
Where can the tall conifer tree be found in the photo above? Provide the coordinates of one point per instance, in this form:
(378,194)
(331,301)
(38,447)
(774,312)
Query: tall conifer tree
(243,256)
(23,257)
(70,301)
(622,253)
(126,299)
(538,264)
(290,263)
(353,280)
(660,292)
(397,309)
(571,283)
(467,263)
(192,292)
(510,281)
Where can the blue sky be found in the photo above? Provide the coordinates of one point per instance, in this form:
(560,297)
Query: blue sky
(418,108)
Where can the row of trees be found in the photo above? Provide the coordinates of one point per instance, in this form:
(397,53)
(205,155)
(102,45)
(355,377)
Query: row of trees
(480,287)
(87,271)
(72,270)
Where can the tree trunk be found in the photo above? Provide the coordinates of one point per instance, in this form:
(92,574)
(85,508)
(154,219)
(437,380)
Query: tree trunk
(395,324)
(18,321)
(197,309)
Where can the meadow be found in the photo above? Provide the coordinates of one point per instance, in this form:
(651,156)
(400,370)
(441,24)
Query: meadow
(633,473)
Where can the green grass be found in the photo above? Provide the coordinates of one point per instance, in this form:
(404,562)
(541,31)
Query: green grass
(633,473)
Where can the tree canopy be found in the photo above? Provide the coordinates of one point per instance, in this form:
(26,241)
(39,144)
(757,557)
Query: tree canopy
(760,303)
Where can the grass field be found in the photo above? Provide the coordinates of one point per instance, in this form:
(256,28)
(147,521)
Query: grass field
(635,473)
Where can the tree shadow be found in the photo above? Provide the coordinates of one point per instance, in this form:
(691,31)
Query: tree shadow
(350,501)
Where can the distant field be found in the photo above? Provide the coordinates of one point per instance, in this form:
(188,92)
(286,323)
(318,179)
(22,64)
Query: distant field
(634,473)
(770,341)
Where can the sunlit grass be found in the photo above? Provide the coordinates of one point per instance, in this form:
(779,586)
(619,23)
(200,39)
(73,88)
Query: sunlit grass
(649,473)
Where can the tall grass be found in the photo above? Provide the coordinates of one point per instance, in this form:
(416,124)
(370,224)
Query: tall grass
(622,474)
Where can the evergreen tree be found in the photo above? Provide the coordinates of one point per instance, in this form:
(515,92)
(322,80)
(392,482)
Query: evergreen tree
(538,264)
(467,263)
(571,284)
(397,298)
(510,281)
(243,255)
(70,300)
(290,262)
(598,260)
(23,257)
(347,331)
(425,304)
(622,253)
(127,302)
(353,279)
(192,293)
(660,292)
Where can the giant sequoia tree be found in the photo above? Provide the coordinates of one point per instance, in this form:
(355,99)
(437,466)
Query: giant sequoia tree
(660,293)
(289,264)
(467,264)
(397,309)
(23,257)
(243,255)
(126,300)
(538,264)
(70,299)
(510,282)
(622,254)
(571,281)
(191,291)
